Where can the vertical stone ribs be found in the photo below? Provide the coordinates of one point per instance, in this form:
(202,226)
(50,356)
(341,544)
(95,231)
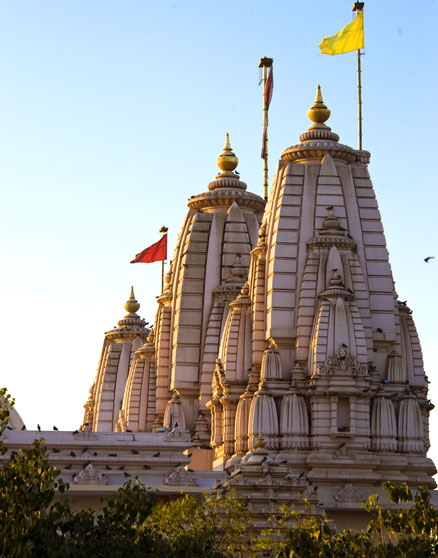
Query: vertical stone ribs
(187,321)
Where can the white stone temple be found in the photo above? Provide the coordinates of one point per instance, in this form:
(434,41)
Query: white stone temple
(280,352)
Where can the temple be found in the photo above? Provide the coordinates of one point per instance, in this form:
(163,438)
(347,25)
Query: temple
(280,353)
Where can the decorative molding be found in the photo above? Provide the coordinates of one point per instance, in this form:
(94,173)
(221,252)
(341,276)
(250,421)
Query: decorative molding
(342,453)
(177,435)
(342,364)
(89,475)
(348,494)
(85,434)
(181,477)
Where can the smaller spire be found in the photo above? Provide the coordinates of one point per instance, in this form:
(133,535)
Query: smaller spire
(132,305)
(227,160)
(318,112)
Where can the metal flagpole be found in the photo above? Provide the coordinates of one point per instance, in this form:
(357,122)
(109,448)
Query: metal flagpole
(265,63)
(164,231)
(358,7)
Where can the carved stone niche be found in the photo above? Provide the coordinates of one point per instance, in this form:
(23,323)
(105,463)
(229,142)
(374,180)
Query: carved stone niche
(342,364)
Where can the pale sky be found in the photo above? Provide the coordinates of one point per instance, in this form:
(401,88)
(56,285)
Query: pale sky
(113,113)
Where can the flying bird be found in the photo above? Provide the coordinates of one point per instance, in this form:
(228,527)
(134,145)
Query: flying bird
(429,258)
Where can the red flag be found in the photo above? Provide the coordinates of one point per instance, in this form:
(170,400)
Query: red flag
(269,88)
(155,253)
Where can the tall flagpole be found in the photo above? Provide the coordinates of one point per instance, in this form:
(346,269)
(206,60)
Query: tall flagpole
(164,231)
(265,63)
(358,7)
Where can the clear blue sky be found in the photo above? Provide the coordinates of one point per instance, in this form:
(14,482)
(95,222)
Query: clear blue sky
(112,114)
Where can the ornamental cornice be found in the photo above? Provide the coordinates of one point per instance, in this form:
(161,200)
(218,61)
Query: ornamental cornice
(226,182)
(241,301)
(317,149)
(341,242)
(260,250)
(334,293)
(224,197)
(166,298)
(403,308)
(227,292)
(132,320)
(148,349)
(126,333)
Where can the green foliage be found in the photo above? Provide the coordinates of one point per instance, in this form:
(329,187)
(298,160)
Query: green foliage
(6,402)
(216,526)
(27,486)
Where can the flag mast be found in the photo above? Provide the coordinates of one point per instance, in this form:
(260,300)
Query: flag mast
(164,231)
(358,7)
(265,63)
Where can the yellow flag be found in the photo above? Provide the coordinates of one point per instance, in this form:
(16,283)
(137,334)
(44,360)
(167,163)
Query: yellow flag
(350,37)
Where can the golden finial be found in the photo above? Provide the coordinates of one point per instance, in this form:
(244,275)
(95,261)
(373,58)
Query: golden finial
(260,441)
(227,160)
(132,305)
(318,112)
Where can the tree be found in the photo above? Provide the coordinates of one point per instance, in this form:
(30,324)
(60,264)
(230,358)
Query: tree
(217,526)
